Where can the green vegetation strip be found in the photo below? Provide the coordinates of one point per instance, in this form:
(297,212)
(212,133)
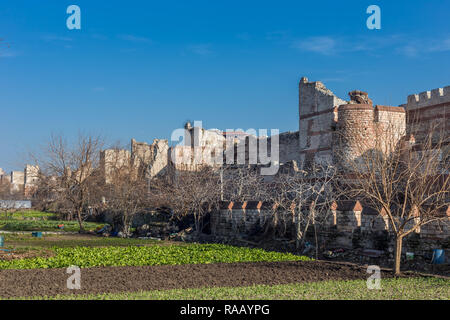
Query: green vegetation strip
(29,214)
(148,256)
(45,225)
(391,289)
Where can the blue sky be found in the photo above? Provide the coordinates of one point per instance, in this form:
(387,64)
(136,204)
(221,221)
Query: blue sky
(142,68)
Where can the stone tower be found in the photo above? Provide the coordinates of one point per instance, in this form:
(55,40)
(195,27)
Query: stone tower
(318,115)
(362,128)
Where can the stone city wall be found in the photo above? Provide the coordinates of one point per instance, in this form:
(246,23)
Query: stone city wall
(428,109)
(348,225)
(317,117)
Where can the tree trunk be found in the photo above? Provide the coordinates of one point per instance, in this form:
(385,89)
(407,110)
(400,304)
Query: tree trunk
(398,254)
(126,221)
(80,221)
(305,230)
(317,242)
(197,222)
(298,230)
(275,223)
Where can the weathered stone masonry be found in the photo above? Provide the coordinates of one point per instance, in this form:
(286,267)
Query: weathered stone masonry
(361,128)
(349,224)
(153,156)
(427,108)
(321,113)
(317,117)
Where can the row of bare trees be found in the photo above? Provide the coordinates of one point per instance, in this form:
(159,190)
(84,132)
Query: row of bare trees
(299,197)
(69,177)
(72,181)
(405,181)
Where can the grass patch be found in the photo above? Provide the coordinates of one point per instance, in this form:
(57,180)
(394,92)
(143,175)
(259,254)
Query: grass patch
(45,225)
(73,240)
(85,257)
(29,214)
(391,289)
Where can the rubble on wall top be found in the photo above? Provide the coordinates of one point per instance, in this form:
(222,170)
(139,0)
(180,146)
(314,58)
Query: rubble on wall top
(320,87)
(155,141)
(304,80)
(317,84)
(359,97)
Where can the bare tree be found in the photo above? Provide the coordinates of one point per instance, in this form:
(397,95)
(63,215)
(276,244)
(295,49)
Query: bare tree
(70,174)
(192,192)
(278,194)
(406,180)
(307,194)
(242,183)
(126,187)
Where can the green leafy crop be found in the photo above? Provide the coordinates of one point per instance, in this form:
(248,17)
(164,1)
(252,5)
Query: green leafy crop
(148,256)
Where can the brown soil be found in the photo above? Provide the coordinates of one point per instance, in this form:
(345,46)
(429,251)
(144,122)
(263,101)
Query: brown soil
(24,253)
(49,282)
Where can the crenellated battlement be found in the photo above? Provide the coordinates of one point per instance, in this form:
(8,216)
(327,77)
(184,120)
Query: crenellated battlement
(428,98)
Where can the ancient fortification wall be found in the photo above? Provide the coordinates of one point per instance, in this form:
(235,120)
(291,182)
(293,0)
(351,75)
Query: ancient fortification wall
(349,224)
(426,109)
(153,156)
(24,182)
(317,117)
(17,180)
(288,145)
(31,179)
(331,128)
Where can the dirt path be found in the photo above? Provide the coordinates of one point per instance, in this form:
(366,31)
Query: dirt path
(39,282)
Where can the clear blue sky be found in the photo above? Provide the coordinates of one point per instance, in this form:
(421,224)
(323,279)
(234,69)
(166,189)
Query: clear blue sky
(142,68)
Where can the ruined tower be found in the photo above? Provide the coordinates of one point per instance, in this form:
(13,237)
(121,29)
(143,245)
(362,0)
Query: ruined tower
(318,115)
(362,128)
(333,130)
(153,156)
